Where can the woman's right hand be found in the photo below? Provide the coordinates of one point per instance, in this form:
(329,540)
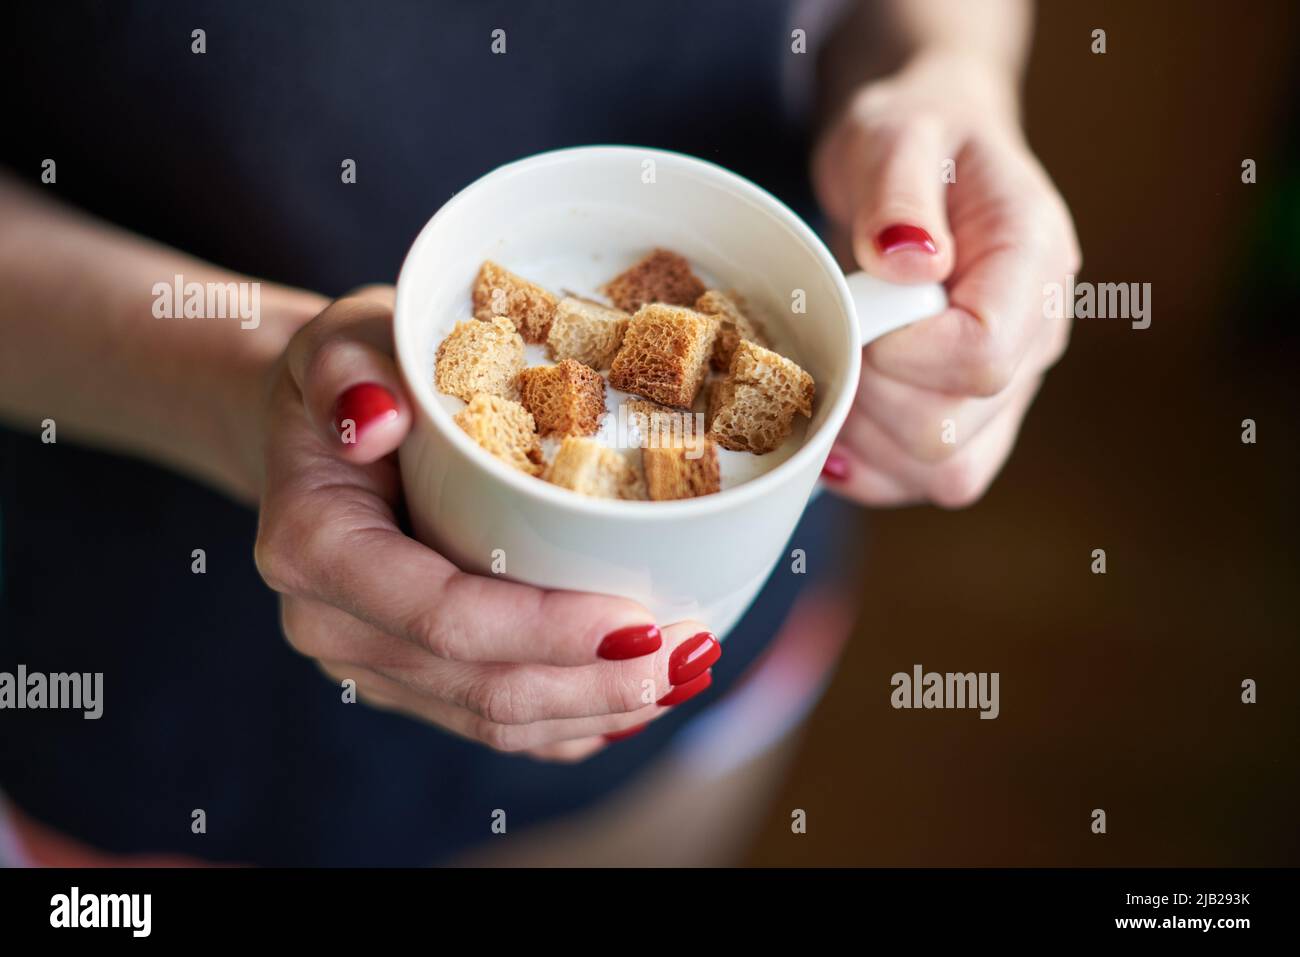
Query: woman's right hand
(517,668)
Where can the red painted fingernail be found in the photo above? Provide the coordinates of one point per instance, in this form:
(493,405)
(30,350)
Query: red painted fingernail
(630,642)
(902,236)
(694,655)
(363,406)
(836,467)
(626,733)
(687,691)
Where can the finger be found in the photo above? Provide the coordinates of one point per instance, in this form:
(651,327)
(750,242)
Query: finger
(1011,239)
(524,694)
(569,752)
(370,687)
(900,227)
(876,470)
(381,292)
(505,693)
(963,481)
(853,478)
(327,531)
(391,695)
(342,363)
(934,426)
(929,426)
(974,347)
(337,544)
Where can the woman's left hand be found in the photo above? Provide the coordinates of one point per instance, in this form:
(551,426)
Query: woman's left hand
(927,178)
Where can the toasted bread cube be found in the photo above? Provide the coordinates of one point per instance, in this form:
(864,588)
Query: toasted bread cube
(587,467)
(734,324)
(744,419)
(774,374)
(586,331)
(505,429)
(721,392)
(665,354)
(568,398)
(662,276)
(659,425)
(681,470)
(499,292)
(753,409)
(480,357)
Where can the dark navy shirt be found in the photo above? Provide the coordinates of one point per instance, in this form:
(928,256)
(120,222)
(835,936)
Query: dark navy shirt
(234,155)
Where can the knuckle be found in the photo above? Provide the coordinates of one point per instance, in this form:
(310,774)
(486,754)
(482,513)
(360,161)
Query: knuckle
(959,484)
(332,672)
(496,701)
(933,451)
(272,556)
(624,688)
(1056,349)
(292,627)
(569,755)
(287,540)
(498,737)
(440,637)
(930,444)
(432,633)
(372,291)
(991,363)
(267,563)
(924,127)
(323,357)
(303,336)
(1074,257)
(868,102)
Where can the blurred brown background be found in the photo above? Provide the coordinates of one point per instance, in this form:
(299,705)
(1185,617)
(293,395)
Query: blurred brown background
(1120,691)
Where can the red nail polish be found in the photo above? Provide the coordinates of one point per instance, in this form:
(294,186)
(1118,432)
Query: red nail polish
(626,733)
(364,405)
(630,642)
(692,656)
(902,236)
(836,467)
(687,691)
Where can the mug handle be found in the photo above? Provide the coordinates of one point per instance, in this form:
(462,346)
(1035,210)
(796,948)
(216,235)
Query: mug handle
(883,306)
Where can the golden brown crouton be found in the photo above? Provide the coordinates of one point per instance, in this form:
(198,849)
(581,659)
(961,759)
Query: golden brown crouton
(586,331)
(681,471)
(752,410)
(734,324)
(587,467)
(568,398)
(505,429)
(659,425)
(662,276)
(499,292)
(774,374)
(665,354)
(480,357)
(720,393)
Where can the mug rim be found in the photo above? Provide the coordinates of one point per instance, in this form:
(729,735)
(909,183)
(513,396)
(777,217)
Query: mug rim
(412,370)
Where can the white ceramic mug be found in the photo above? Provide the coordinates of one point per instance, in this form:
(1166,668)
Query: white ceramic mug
(702,558)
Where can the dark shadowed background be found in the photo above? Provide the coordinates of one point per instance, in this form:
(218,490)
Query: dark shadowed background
(1122,691)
